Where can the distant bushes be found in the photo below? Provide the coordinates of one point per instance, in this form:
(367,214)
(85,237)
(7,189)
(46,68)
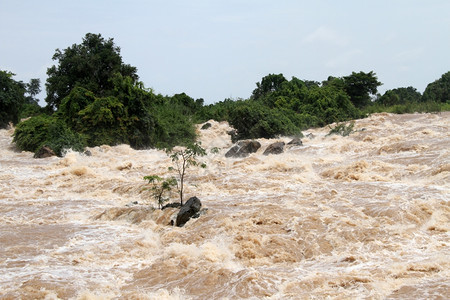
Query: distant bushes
(407,108)
(282,107)
(255,121)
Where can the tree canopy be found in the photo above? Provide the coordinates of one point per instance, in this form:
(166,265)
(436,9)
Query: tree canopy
(359,86)
(400,96)
(439,90)
(90,65)
(12,97)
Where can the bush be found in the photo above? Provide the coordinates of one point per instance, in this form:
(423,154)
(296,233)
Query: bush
(173,127)
(342,129)
(252,120)
(30,110)
(31,134)
(44,130)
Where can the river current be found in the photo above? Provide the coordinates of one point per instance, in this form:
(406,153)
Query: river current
(359,217)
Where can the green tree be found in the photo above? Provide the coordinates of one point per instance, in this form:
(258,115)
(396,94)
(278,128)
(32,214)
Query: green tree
(252,120)
(33,89)
(400,96)
(270,83)
(439,90)
(90,65)
(159,187)
(31,106)
(12,98)
(359,86)
(102,122)
(183,159)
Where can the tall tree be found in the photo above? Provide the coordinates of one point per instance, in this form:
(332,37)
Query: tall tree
(359,86)
(439,90)
(33,89)
(90,65)
(400,96)
(11,98)
(268,84)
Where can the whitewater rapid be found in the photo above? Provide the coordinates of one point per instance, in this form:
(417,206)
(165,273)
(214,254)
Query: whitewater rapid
(359,217)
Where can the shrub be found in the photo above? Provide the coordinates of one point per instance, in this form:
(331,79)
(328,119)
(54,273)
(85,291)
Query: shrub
(44,130)
(342,129)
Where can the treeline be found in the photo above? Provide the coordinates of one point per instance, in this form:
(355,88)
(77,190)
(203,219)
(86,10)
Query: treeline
(93,98)
(286,107)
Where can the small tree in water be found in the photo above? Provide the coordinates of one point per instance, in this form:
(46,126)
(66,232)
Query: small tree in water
(159,187)
(183,159)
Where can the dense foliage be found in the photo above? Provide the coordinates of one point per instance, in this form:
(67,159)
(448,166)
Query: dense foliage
(400,96)
(282,107)
(90,65)
(439,90)
(11,99)
(97,99)
(94,98)
(17,99)
(43,130)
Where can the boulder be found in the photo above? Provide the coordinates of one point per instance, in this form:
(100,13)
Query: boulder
(233,135)
(243,149)
(44,152)
(206,126)
(275,148)
(189,209)
(296,142)
(310,136)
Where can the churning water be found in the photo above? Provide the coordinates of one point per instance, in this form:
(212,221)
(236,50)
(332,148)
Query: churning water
(358,217)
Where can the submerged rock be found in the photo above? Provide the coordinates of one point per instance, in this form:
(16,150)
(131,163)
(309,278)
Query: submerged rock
(44,152)
(188,210)
(243,149)
(206,126)
(275,148)
(310,136)
(233,135)
(296,142)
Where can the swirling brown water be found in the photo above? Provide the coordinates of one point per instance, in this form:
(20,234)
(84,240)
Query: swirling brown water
(358,217)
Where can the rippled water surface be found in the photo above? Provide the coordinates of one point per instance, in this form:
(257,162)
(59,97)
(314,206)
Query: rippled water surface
(358,217)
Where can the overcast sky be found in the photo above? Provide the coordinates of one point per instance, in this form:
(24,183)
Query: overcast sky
(219,49)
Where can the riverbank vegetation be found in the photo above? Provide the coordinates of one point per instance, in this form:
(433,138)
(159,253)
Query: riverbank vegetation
(94,98)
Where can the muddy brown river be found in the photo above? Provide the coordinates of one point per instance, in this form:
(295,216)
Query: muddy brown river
(359,217)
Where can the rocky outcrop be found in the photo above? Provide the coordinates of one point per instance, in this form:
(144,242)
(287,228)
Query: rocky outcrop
(233,135)
(296,142)
(275,148)
(206,126)
(44,152)
(243,149)
(188,210)
(310,136)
